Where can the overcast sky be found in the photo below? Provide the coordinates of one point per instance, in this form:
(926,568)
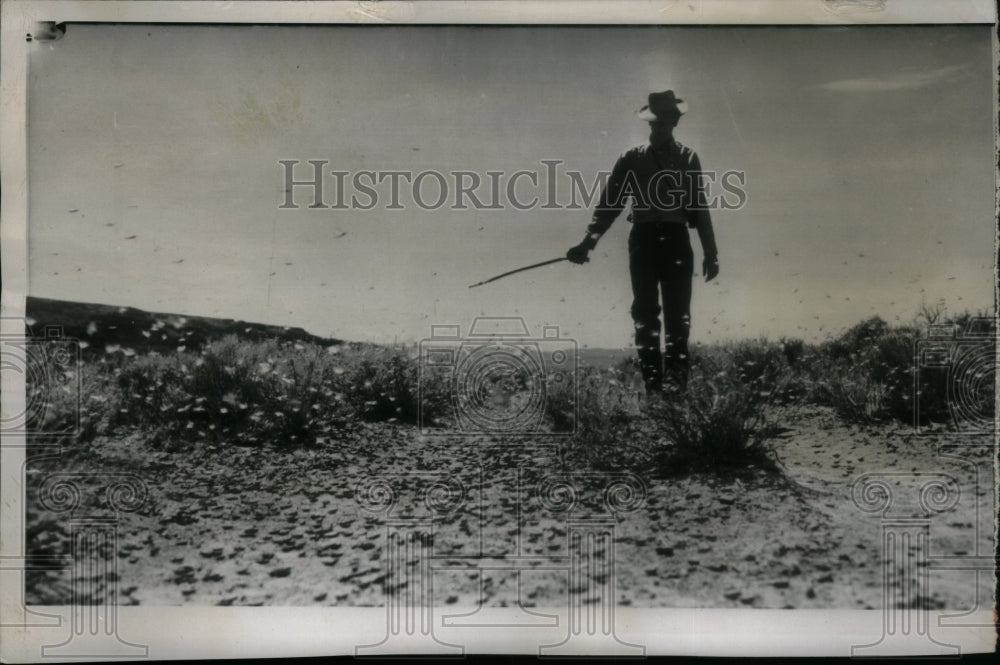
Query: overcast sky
(155,179)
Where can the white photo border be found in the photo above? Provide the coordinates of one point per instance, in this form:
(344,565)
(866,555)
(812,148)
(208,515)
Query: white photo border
(225,632)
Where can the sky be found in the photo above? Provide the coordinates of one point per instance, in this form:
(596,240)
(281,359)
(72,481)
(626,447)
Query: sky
(155,178)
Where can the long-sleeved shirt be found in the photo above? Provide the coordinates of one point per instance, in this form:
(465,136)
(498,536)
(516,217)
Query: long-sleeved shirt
(663,185)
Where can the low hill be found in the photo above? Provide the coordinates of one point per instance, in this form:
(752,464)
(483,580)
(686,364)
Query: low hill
(99,327)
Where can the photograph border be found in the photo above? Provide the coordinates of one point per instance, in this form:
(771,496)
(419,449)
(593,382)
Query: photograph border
(194,632)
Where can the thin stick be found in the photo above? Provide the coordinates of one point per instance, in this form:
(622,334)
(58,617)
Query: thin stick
(511,272)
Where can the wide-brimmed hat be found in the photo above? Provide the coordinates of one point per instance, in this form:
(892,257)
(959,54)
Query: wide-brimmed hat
(661,104)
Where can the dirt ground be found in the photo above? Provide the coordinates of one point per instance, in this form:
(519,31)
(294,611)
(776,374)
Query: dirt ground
(247,526)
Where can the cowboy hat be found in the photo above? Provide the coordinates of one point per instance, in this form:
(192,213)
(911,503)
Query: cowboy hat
(660,104)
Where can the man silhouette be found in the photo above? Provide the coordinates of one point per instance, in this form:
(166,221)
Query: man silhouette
(661,181)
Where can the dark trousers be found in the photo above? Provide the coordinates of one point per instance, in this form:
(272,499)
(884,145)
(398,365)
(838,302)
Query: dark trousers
(661,264)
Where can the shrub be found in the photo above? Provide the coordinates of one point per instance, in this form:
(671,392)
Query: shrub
(867,373)
(857,340)
(870,372)
(387,384)
(65,407)
(720,424)
(384,386)
(260,392)
(853,395)
(759,364)
(793,349)
(600,413)
(763,366)
(233,391)
(561,405)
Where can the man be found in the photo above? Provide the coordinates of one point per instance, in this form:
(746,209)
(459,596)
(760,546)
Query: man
(661,182)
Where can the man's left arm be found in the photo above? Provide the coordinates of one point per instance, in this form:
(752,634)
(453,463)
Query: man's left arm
(700,219)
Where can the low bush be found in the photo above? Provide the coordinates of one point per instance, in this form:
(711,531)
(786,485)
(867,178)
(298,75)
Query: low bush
(869,374)
(233,392)
(720,424)
(299,393)
(266,392)
(606,406)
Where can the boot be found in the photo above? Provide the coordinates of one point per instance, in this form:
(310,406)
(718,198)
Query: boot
(676,365)
(677,380)
(650,364)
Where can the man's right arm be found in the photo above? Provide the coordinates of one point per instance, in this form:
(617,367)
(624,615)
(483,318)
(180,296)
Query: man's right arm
(612,202)
(609,206)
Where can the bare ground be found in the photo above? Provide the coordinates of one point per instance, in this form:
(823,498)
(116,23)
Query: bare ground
(229,525)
